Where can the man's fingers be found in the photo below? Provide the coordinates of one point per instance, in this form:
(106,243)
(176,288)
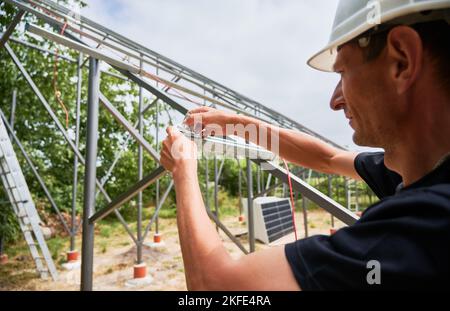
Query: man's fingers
(195,118)
(165,154)
(172,132)
(197,114)
(200,110)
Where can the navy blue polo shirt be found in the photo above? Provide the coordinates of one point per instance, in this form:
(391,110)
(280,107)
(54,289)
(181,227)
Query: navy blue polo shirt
(407,232)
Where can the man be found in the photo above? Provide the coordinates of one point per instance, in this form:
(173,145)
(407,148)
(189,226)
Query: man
(395,91)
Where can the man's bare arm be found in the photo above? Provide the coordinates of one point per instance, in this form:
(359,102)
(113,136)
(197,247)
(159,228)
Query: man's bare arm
(296,147)
(208,266)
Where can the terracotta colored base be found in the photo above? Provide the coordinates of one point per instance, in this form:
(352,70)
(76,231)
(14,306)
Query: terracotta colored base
(333,231)
(72,256)
(241,218)
(157,238)
(140,271)
(3,259)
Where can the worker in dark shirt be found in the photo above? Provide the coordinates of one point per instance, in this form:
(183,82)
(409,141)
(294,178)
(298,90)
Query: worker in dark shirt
(393,58)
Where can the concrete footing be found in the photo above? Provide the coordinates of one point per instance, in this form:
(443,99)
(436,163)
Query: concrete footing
(140,277)
(157,241)
(3,259)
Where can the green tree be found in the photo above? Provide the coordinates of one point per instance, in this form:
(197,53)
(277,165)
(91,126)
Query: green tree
(38,133)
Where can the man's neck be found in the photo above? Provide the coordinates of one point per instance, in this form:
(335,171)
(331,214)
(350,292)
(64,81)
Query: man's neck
(422,145)
(412,165)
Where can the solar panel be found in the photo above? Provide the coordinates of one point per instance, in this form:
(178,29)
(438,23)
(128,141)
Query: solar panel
(273,218)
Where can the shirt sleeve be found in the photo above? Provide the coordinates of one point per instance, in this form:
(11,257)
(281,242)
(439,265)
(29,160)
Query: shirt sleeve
(371,168)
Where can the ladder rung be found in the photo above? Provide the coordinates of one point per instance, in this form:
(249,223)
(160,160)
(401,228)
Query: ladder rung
(17,202)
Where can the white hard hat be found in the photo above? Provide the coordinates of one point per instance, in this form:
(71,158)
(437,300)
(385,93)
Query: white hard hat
(355,17)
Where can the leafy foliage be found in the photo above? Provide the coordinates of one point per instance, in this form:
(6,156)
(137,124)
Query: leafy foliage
(45,144)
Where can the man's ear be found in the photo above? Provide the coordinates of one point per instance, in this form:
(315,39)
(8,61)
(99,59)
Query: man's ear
(405,56)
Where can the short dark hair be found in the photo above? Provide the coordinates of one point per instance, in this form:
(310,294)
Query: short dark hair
(436,39)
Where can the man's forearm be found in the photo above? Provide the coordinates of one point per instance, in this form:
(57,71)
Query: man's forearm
(200,244)
(293,146)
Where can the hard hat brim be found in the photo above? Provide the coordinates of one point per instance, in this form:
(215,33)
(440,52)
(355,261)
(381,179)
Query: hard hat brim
(324,60)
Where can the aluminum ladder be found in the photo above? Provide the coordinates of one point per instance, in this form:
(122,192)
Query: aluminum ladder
(22,203)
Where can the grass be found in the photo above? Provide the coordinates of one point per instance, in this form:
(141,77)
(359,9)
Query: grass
(103,246)
(105,231)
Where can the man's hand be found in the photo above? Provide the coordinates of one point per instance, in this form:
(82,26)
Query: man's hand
(211,121)
(179,154)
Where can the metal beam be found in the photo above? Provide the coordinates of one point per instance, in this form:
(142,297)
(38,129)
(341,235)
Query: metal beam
(119,153)
(16,20)
(159,205)
(128,195)
(81,48)
(59,56)
(140,165)
(250,220)
(87,263)
(311,193)
(142,83)
(129,127)
(75,159)
(267,190)
(226,231)
(13,109)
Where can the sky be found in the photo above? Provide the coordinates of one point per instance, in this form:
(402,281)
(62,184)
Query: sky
(258,48)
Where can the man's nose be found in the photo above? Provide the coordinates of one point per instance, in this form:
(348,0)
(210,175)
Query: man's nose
(337,101)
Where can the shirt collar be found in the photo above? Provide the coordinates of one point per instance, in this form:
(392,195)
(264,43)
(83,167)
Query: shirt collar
(440,174)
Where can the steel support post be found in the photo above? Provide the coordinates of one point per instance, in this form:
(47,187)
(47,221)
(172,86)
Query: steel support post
(75,160)
(207,183)
(250,220)
(330,194)
(347,193)
(158,208)
(140,176)
(240,188)
(305,215)
(267,190)
(87,263)
(13,110)
(216,191)
(258,179)
(157,149)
